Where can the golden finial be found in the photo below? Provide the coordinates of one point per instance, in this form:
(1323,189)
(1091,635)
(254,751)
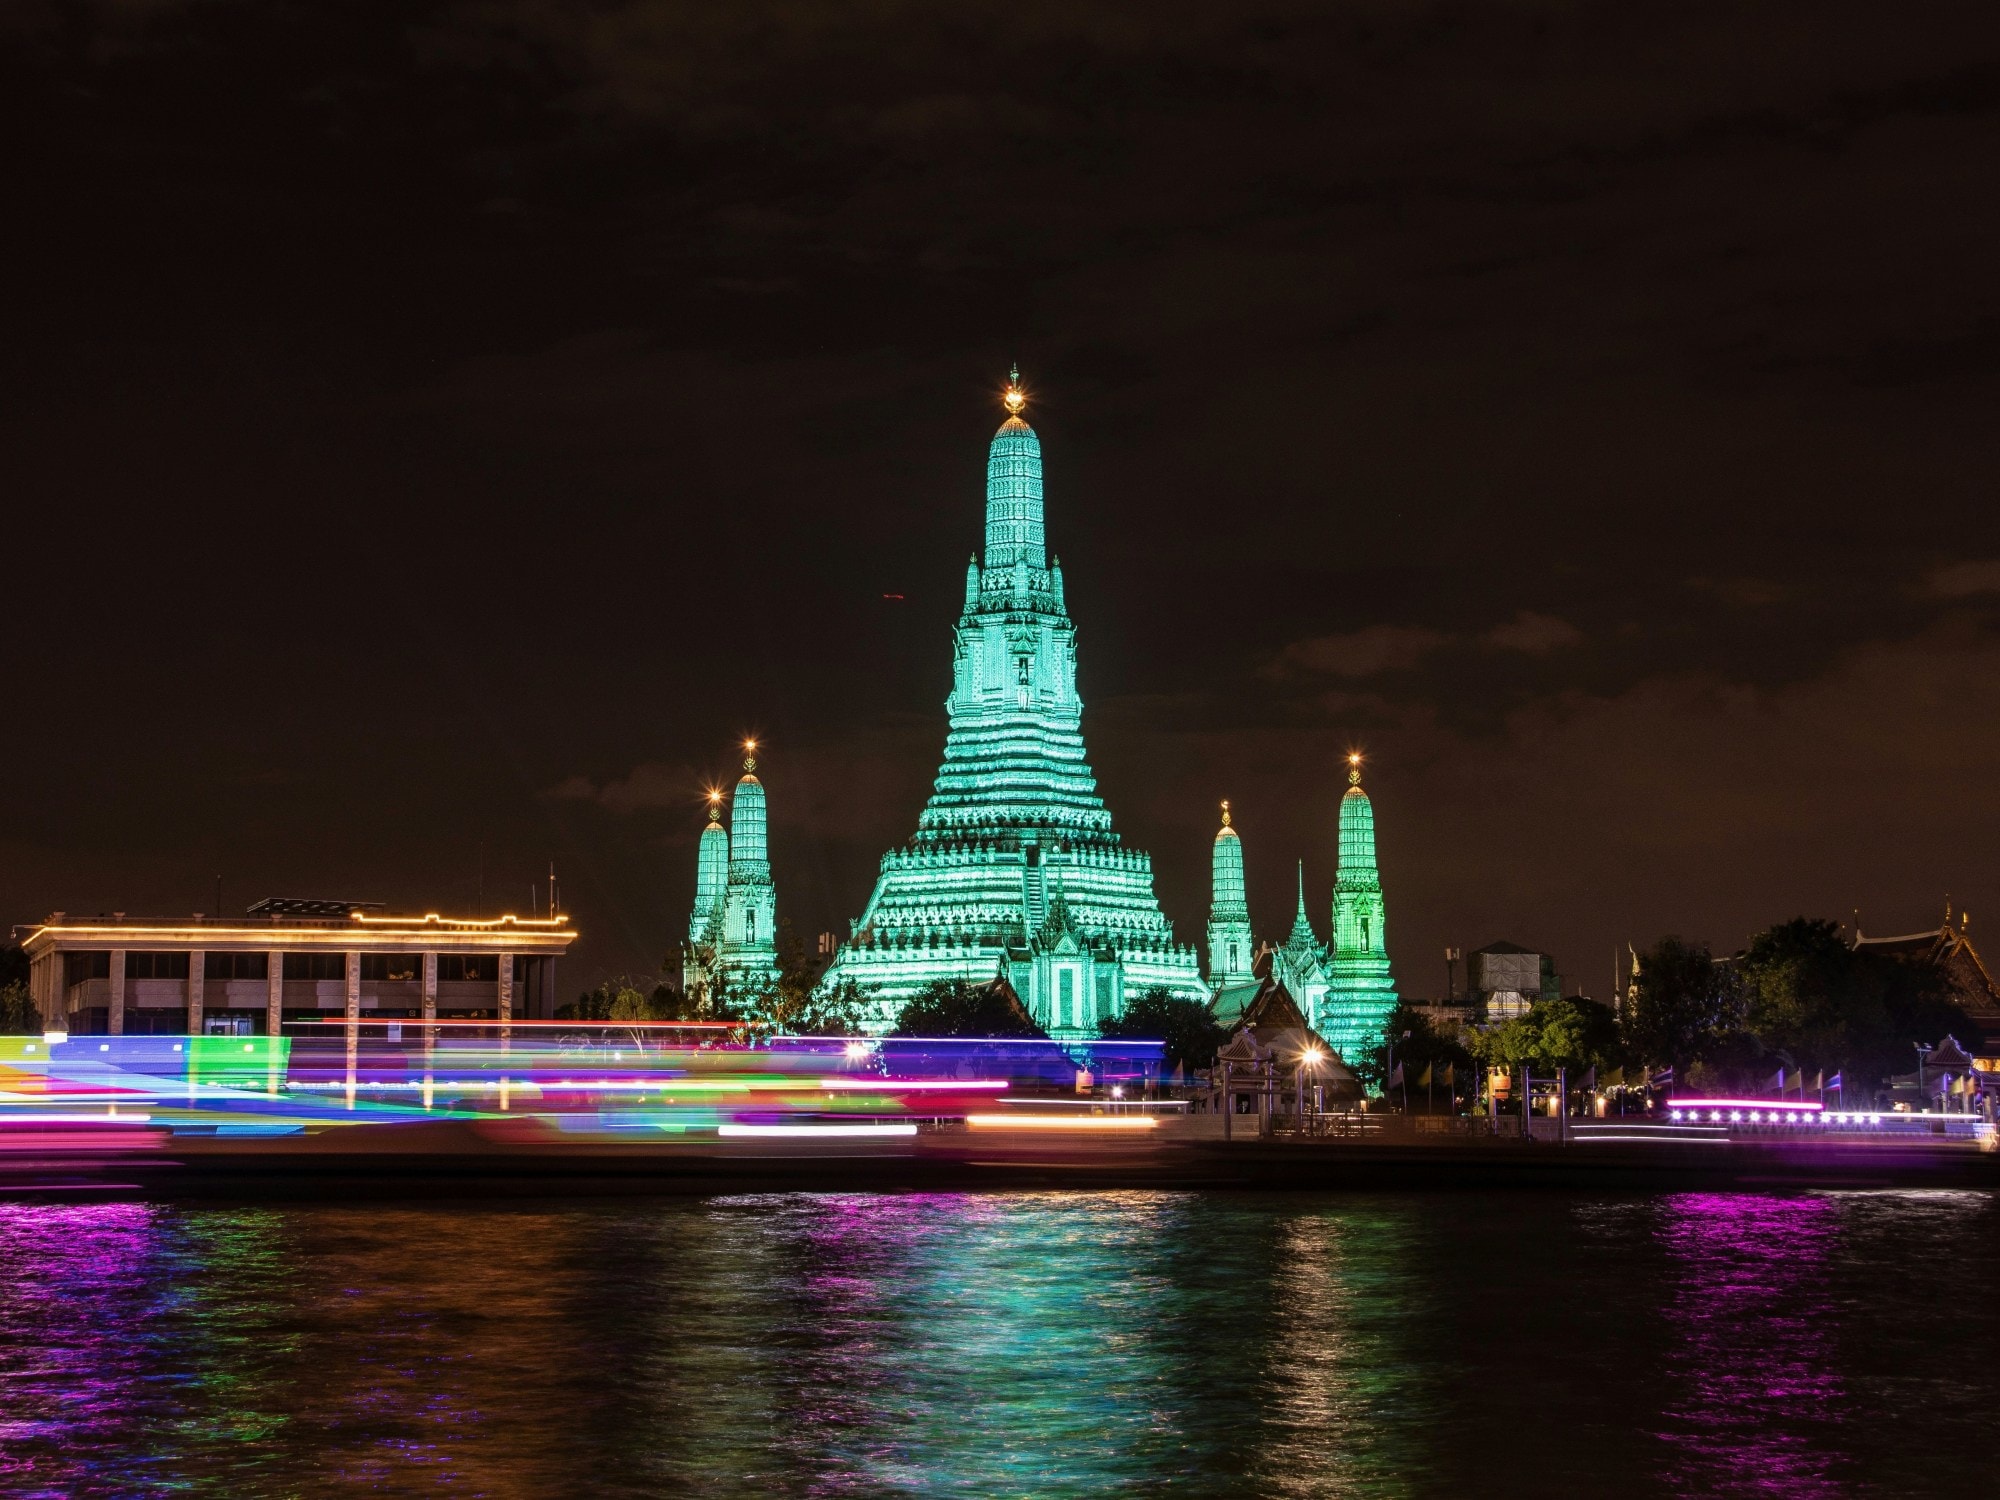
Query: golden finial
(1015,398)
(715,804)
(749,755)
(1225,812)
(1354,768)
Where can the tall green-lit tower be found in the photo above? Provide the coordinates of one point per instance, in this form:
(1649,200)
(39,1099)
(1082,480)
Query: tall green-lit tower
(1230,950)
(1014,868)
(1360,993)
(748,953)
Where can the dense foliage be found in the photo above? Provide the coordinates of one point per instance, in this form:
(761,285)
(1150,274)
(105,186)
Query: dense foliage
(957,1007)
(1186,1026)
(1798,998)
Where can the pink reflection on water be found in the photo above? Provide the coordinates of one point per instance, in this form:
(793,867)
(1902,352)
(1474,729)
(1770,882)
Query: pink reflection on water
(1757,1402)
(75,1278)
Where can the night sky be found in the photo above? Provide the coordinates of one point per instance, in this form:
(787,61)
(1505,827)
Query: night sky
(432,434)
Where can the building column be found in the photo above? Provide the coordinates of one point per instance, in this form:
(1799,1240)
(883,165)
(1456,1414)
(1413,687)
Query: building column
(117,1025)
(430,988)
(45,982)
(197,989)
(505,988)
(352,969)
(274,993)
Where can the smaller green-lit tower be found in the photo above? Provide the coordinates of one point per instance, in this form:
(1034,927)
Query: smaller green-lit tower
(1300,964)
(1360,992)
(711,880)
(1230,951)
(748,953)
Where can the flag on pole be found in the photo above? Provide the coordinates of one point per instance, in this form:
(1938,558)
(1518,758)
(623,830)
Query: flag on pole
(1664,1079)
(1796,1080)
(1447,1080)
(1819,1081)
(1831,1083)
(1395,1077)
(1590,1078)
(1424,1078)
(1615,1079)
(1777,1082)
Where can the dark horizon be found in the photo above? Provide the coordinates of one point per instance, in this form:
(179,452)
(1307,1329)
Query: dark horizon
(437,433)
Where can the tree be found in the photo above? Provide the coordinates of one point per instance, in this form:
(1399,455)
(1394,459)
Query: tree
(1573,1034)
(958,1007)
(1827,1006)
(1806,994)
(628,999)
(1187,1027)
(19,1015)
(1425,1043)
(1686,1007)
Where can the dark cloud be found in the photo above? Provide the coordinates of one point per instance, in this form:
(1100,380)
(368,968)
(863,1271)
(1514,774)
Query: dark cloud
(411,409)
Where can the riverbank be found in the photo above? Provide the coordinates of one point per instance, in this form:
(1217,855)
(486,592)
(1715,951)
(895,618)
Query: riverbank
(529,1157)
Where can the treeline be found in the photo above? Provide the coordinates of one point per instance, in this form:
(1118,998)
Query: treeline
(1799,998)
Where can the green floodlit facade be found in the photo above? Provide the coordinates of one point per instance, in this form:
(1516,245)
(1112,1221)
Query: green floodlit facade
(1014,869)
(1360,992)
(1231,953)
(1343,987)
(733,928)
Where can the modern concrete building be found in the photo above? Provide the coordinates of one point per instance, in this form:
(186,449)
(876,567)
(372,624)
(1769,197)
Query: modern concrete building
(287,960)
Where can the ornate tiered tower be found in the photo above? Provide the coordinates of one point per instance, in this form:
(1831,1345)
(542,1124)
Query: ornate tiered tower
(711,879)
(1230,954)
(1014,869)
(1360,993)
(1300,965)
(748,952)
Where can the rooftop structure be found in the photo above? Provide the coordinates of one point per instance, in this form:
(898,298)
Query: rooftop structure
(1014,869)
(1948,949)
(1503,980)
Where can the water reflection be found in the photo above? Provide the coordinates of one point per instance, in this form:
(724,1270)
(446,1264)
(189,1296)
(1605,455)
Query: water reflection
(1758,1403)
(1033,1344)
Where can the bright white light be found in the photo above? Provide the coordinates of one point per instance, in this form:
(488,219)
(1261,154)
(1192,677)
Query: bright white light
(856,1049)
(55,1037)
(811,1130)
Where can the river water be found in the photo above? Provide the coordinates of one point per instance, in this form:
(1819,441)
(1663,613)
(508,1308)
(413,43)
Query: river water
(1801,1344)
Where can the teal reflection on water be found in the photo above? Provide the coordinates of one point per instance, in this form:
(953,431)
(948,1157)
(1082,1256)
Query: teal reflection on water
(1030,1344)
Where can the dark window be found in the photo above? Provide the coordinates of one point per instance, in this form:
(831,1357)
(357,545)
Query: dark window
(156,966)
(236,966)
(384,966)
(77,967)
(478,967)
(315,966)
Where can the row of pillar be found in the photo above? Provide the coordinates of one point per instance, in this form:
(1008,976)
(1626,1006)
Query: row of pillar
(274,982)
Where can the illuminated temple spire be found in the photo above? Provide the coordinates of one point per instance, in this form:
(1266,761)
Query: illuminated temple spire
(1014,490)
(1014,817)
(1229,946)
(749,949)
(1360,992)
(711,873)
(711,880)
